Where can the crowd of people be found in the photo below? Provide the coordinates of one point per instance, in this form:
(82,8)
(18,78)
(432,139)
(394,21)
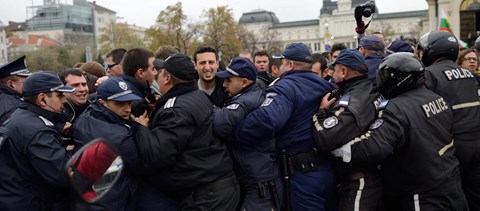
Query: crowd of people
(380,127)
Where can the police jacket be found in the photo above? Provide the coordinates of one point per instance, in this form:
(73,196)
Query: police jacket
(10,101)
(179,147)
(254,162)
(32,159)
(138,106)
(100,122)
(459,88)
(372,61)
(412,137)
(349,116)
(287,111)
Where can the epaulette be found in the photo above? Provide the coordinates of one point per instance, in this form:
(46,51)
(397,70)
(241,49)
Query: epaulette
(344,100)
(382,105)
(46,121)
(274,81)
(170,102)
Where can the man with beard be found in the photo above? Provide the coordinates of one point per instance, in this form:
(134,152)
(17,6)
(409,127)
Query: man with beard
(206,63)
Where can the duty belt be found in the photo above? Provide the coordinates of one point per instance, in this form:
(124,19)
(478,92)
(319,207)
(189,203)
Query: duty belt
(306,161)
(218,185)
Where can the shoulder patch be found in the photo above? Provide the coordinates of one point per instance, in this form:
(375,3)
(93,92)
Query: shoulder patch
(376,124)
(233,106)
(268,99)
(344,100)
(170,102)
(46,121)
(330,122)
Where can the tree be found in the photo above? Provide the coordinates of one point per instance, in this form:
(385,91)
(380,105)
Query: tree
(53,58)
(172,28)
(247,38)
(269,40)
(221,32)
(119,35)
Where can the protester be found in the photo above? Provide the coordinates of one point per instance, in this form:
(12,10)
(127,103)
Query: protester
(207,65)
(264,77)
(78,101)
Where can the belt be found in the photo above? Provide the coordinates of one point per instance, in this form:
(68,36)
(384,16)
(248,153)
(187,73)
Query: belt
(356,175)
(306,161)
(218,185)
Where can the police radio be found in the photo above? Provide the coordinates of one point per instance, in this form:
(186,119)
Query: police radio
(334,94)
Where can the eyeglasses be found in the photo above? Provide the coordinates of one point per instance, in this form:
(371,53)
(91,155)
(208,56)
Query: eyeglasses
(472,59)
(109,66)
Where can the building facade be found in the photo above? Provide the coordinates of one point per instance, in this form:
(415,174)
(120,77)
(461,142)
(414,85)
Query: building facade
(3,44)
(335,25)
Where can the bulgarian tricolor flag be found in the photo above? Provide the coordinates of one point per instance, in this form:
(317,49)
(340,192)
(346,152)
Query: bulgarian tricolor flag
(444,25)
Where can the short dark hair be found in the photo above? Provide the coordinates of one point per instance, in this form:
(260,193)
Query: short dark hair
(274,61)
(72,71)
(316,57)
(337,47)
(33,98)
(261,53)
(134,59)
(204,49)
(117,54)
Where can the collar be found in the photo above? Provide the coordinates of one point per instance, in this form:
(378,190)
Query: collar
(136,87)
(101,112)
(58,119)
(7,90)
(347,84)
(175,91)
(252,86)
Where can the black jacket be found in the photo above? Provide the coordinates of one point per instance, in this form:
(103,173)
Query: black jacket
(349,117)
(264,79)
(138,106)
(254,162)
(10,100)
(458,87)
(412,138)
(179,147)
(32,160)
(99,122)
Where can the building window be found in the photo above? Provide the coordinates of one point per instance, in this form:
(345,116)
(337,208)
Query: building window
(100,20)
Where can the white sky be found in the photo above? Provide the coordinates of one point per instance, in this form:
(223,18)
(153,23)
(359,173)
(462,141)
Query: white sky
(144,12)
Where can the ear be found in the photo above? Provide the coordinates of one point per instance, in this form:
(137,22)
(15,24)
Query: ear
(101,101)
(41,100)
(10,83)
(245,82)
(139,73)
(168,79)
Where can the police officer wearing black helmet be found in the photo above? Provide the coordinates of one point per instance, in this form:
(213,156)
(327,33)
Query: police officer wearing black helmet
(438,51)
(12,76)
(411,137)
(32,155)
(344,117)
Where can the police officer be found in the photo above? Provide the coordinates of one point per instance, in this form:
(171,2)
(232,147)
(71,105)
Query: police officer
(341,119)
(254,163)
(411,137)
(286,116)
(438,51)
(111,112)
(188,161)
(12,76)
(373,49)
(32,157)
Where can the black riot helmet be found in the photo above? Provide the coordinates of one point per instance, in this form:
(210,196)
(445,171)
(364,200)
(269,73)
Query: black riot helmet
(438,44)
(398,73)
(477,43)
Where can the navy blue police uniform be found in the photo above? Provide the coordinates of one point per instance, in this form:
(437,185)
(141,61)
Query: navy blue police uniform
(255,164)
(32,155)
(10,98)
(99,121)
(286,116)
